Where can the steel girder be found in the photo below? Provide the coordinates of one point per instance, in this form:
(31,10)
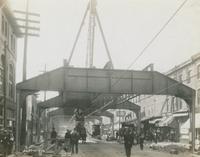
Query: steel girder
(66,101)
(59,101)
(107,81)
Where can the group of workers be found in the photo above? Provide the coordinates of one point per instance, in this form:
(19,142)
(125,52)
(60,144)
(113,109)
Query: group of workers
(72,137)
(70,142)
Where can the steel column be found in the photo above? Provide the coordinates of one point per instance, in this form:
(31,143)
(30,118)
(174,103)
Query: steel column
(192,126)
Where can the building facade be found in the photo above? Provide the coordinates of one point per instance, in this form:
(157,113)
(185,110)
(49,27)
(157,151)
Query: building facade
(8,36)
(174,111)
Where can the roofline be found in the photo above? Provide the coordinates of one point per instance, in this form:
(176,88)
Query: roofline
(11,18)
(183,64)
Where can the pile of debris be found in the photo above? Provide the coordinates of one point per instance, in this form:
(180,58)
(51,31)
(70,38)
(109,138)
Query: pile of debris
(33,149)
(173,148)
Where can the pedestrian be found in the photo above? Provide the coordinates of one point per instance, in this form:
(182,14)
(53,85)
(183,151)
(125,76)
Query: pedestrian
(128,140)
(53,136)
(10,141)
(83,134)
(74,141)
(117,135)
(5,142)
(141,136)
(67,146)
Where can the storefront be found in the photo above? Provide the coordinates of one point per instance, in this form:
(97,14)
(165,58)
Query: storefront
(186,134)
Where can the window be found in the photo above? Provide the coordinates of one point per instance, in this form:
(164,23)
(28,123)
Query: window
(177,104)
(2,24)
(11,81)
(1,110)
(6,29)
(181,78)
(198,97)
(198,71)
(1,122)
(188,76)
(180,104)
(173,104)
(10,113)
(12,42)
(1,80)
(1,74)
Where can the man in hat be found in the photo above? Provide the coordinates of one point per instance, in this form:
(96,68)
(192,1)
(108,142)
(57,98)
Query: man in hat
(128,140)
(53,136)
(68,141)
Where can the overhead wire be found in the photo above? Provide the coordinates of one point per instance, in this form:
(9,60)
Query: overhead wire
(157,34)
(146,47)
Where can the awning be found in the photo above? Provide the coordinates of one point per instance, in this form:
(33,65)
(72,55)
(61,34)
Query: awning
(155,120)
(181,114)
(186,125)
(151,118)
(166,121)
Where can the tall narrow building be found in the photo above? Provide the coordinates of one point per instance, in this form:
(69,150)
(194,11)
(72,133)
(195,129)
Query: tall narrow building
(9,32)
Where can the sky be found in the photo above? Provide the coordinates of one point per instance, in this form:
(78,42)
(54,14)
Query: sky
(128,26)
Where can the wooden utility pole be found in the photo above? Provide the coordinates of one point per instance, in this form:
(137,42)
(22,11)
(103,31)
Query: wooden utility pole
(25,41)
(25,18)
